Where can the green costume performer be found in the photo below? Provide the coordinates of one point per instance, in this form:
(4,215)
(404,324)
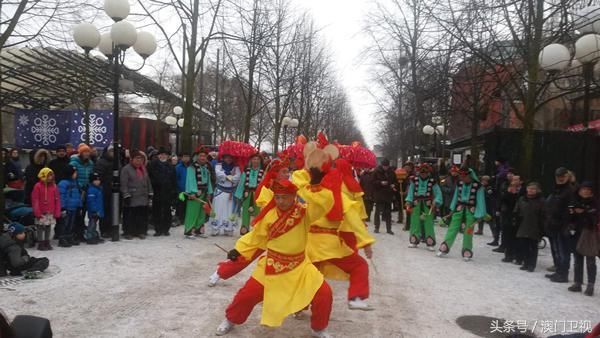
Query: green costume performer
(424,197)
(198,184)
(249,180)
(467,207)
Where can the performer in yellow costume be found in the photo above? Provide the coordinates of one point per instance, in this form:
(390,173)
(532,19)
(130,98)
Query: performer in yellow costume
(284,279)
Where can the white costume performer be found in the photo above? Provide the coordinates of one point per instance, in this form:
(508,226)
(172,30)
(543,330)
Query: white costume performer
(225,220)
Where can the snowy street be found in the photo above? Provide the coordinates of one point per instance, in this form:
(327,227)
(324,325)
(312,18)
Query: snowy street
(157,288)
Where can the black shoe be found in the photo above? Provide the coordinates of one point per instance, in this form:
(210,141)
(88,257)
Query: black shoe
(376,231)
(589,291)
(166,234)
(74,241)
(530,269)
(390,232)
(92,241)
(63,243)
(559,279)
(128,237)
(550,275)
(499,249)
(517,262)
(524,267)
(157,234)
(494,243)
(575,287)
(106,235)
(507,260)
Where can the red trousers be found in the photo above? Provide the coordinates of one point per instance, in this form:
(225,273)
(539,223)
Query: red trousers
(358,269)
(229,268)
(252,293)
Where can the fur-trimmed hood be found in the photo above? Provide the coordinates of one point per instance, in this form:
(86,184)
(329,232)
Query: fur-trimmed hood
(37,157)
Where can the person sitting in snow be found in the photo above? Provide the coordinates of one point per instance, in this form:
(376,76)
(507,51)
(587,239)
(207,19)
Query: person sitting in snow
(14,257)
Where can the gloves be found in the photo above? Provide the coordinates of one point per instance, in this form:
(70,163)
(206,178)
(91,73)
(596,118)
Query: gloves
(233,255)
(316,176)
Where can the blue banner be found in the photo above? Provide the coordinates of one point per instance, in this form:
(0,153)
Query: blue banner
(50,128)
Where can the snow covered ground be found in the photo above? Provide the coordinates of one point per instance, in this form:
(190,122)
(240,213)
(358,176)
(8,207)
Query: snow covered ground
(157,288)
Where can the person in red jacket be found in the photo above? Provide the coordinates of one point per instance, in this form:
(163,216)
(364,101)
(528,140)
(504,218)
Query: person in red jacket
(45,201)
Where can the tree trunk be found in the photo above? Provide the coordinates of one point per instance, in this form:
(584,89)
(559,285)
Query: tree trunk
(186,139)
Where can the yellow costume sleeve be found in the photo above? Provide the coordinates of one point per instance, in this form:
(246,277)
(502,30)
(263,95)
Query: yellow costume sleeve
(353,222)
(301,178)
(255,239)
(266,195)
(318,202)
(357,197)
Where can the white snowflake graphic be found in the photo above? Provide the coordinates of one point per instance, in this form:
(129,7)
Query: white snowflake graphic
(44,130)
(23,120)
(97,129)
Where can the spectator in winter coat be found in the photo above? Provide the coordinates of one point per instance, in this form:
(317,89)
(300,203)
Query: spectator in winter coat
(83,164)
(95,209)
(164,186)
(60,164)
(508,200)
(12,177)
(136,189)
(17,181)
(103,168)
(366,183)
(556,227)
(45,201)
(14,257)
(584,216)
(385,183)
(490,208)
(70,201)
(529,218)
(38,159)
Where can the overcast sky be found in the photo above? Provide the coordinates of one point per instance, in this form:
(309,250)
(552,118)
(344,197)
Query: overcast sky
(341,22)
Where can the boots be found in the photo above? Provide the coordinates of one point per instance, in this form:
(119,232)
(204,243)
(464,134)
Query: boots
(575,287)
(589,291)
(64,243)
(44,246)
(48,246)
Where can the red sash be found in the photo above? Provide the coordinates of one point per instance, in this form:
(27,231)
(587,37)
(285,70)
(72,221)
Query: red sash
(278,262)
(287,221)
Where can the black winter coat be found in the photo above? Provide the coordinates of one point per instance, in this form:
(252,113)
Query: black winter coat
(104,167)
(366,183)
(12,253)
(164,180)
(529,216)
(60,166)
(384,193)
(589,218)
(557,209)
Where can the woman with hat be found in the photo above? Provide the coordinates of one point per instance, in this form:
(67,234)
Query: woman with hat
(467,207)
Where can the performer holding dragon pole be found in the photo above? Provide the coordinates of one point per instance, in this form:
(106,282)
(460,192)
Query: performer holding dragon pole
(467,207)
(424,197)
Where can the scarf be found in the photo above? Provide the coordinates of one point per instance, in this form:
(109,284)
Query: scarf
(140,171)
(227,168)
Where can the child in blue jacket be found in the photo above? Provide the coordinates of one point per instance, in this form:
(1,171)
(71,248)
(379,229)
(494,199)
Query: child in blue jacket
(70,202)
(95,209)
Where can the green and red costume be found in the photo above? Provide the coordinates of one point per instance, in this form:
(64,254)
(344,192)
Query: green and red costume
(424,196)
(245,192)
(467,207)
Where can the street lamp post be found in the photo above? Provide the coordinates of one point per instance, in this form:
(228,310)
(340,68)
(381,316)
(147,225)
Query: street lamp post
(288,122)
(556,58)
(114,45)
(177,111)
(176,123)
(434,130)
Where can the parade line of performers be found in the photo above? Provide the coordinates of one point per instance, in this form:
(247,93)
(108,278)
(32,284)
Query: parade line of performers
(309,228)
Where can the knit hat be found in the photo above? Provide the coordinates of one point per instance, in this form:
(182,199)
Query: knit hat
(83,148)
(94,177)
(16,228)
(562,171)
(162,150)
(43,174)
